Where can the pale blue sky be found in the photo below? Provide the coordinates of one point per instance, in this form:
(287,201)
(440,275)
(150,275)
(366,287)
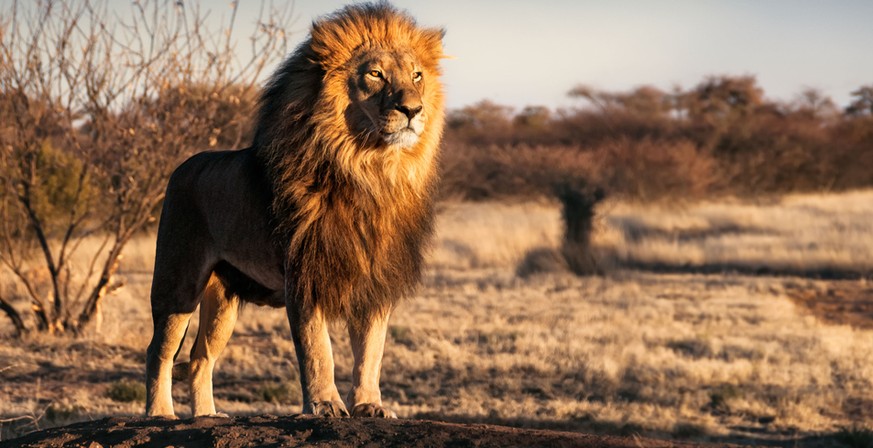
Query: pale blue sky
(532,52)
(521,53)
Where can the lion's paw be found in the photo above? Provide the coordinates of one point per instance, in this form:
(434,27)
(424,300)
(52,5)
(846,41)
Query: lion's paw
(163,417)
(327,409)
(216,415)
(372,410)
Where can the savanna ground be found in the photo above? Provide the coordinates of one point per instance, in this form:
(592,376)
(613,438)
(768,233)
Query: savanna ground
(734,321)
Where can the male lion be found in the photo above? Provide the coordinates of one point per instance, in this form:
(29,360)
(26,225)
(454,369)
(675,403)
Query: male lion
(326,214)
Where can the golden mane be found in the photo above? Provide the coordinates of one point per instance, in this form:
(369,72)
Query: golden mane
(351,215)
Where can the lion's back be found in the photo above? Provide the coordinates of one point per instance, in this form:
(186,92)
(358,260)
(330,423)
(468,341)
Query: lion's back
(218,203)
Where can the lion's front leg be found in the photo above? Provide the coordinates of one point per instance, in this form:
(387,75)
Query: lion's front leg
(368,344)
(315,358)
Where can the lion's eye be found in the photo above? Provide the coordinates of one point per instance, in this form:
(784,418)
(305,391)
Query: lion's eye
(375,73)
(416,76)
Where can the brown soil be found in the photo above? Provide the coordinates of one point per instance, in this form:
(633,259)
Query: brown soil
(293,431)
(839,302)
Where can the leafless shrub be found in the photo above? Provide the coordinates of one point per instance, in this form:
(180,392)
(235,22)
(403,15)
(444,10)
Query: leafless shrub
(97,107)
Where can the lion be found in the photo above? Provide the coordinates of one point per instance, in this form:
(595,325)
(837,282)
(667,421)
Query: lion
(326,214)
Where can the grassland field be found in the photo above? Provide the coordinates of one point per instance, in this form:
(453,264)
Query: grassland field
(744,321)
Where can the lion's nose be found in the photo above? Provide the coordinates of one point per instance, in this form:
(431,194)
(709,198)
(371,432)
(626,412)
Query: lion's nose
(409,110)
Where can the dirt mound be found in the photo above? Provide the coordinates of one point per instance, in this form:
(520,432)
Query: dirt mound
(292,431)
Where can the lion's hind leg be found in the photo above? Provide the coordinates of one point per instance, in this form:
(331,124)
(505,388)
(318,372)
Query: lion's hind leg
(170,329)
(174,298)
(218,313)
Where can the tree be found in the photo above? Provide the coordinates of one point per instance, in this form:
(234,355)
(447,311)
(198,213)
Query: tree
(603,101)
(813,103)
(94,115)
(645,101)
(533,118)
(862,104)
(484,116)
(723,99)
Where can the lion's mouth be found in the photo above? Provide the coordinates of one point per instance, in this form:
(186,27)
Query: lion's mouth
(402,138)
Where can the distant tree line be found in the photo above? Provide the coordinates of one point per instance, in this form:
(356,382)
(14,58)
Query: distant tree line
(720,137)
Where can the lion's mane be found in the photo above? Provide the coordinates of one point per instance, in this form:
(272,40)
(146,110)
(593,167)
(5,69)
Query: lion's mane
(351,217)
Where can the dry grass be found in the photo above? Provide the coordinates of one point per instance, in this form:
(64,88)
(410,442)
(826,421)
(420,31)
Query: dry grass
(719,356)
(805,234)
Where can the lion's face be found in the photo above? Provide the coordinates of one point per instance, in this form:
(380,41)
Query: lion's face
(386,91)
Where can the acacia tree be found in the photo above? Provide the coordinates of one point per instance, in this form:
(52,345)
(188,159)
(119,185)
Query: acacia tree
(97,107)
(862,102)
(722,100)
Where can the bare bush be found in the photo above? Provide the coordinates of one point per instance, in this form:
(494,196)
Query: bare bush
(97,107)
(723,136)
(473,172)
(650,170)
(645,170)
